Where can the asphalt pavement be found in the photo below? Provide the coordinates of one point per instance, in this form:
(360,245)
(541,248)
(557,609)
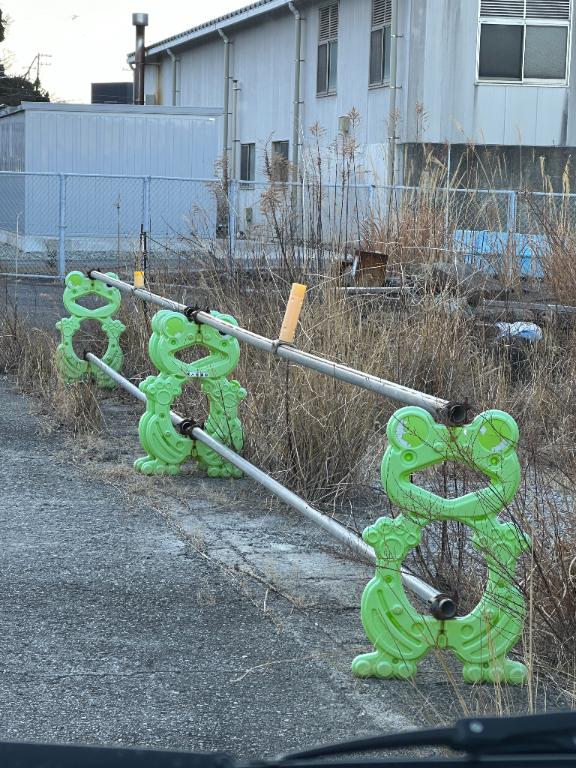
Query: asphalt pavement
(115,630)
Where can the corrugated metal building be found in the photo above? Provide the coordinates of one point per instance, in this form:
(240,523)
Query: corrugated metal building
(122,139)
(102,159)
(485,72)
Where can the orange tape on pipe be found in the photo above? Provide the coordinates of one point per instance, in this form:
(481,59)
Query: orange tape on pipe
(292,315)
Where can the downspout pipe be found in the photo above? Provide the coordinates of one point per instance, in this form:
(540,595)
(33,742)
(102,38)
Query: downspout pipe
(392,118)
(234,162)
(225,148)
(175,61)
(140,21)
(296,108)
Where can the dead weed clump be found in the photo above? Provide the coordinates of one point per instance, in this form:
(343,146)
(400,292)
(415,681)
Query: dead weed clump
(29,355)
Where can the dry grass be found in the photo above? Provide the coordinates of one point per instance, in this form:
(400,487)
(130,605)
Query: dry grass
(29,354)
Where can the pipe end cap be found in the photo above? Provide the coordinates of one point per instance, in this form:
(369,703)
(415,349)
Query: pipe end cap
(443,608)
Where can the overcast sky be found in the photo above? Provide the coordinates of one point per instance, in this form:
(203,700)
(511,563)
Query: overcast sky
(88,39)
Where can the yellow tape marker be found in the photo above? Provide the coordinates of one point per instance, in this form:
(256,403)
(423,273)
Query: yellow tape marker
(138,279)
(293,309)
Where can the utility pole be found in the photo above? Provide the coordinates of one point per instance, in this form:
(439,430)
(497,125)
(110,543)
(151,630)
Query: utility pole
(37,61)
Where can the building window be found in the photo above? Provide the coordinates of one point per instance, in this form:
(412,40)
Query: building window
(247,162)
(327,73)
(524,40)
(380,42)
(280,160)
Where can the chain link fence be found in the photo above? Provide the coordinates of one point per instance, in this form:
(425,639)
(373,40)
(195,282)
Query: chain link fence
(52,223)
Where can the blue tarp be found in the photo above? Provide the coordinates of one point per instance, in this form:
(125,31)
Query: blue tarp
(486,250)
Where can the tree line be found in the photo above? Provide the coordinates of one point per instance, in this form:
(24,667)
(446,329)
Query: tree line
(17,88)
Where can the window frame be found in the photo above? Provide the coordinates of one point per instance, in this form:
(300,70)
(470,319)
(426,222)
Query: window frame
(251,162)
(525,22)
(328,43)
(282,164)
(384,81)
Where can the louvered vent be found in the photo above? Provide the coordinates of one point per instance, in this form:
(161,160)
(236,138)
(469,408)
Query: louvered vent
(381,13)
(531,9)
(548,9)
(329,22)
(504,8)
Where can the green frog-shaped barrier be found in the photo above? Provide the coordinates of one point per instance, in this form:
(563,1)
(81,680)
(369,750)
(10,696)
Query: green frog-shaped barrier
(73,368)
(166,449)
(481,640)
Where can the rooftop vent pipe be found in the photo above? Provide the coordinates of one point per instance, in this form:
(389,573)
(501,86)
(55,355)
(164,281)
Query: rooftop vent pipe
(140,21)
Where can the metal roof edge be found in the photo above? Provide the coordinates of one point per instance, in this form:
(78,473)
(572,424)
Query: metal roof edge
(209,27)
(6,110)
(149,109)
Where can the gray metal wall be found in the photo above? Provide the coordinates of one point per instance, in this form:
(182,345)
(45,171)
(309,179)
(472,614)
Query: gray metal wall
(262,61)
(12,143)
(12,158)
(119,143)
(439,98)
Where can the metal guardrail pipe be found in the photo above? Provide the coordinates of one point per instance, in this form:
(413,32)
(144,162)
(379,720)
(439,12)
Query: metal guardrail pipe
(441,606)
(140,293)
(452,413)
(376,290)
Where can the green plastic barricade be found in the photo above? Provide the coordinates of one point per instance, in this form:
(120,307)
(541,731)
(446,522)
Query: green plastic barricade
(167,449)
(481,640)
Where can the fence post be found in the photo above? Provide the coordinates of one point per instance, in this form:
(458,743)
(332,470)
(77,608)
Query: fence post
(147,183)
(512,207)
(233,214)
(62,229)
(511,226)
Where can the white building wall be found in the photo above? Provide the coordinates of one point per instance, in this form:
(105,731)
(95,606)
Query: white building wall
(201,73)
(100,159)
(12,144)
(439,99)
(443,41)
(262,61)
(353,92)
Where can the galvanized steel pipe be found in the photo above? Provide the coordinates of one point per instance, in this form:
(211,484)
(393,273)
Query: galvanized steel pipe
(453,413)
(393,85)
(235,141)
(296,106)
(441,606)
(175,62)
(225,153)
